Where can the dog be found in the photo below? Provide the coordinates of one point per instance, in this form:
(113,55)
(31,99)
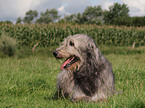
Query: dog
(86,75)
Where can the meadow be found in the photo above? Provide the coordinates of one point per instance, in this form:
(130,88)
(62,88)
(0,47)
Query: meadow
(30,81)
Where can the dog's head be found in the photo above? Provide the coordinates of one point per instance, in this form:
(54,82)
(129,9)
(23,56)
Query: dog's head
(76,49)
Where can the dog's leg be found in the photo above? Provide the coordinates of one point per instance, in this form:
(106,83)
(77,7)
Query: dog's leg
(56,95)
(64,84)
(78,95)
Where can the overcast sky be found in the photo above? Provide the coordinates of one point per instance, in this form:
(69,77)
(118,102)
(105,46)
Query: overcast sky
(12,9)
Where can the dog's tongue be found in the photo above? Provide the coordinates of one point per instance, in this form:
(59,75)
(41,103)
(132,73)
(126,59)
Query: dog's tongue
(66,62)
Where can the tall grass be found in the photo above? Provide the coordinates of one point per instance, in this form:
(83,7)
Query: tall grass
(29,79)
(53,34)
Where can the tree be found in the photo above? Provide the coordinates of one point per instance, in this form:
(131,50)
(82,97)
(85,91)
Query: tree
(138,21)
(30,16)
(93,15)
(70,18)
(48,16)
(6,22)
(117,11)
(19,20)
(80,18)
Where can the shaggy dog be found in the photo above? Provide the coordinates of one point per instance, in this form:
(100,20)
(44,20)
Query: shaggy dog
(86,75)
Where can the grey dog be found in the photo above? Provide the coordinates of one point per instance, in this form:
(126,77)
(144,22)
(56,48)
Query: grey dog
(86,75)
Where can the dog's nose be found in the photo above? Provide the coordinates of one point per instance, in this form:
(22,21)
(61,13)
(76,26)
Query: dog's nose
(55,53)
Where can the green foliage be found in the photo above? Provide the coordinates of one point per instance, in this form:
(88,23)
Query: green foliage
(93,15)
(70,18)
(6,22)
(7,45)
(117,11)
(118,14)
(80,19)
(19,20)
(49,16)
(30,15)
(53,34)
(130,21)
(138,21)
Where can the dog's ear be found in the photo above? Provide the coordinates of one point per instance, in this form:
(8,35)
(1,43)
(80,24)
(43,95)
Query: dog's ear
(93,47)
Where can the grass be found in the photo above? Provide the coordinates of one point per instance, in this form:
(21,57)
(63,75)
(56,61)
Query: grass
(30,81)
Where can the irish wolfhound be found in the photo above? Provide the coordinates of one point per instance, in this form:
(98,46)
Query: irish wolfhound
(86,75)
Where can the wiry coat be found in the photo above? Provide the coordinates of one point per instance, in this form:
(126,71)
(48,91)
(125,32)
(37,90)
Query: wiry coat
(92,79)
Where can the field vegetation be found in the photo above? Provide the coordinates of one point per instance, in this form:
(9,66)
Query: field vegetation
(30,81)
(28,78)
(53,34)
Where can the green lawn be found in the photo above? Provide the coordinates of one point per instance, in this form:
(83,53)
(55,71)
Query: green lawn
(30,81)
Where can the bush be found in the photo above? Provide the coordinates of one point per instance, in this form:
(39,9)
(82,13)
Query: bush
(7,45)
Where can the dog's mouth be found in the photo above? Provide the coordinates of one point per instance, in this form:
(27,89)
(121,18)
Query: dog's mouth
(69,62)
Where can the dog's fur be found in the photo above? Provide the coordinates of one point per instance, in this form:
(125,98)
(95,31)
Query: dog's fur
(89,79)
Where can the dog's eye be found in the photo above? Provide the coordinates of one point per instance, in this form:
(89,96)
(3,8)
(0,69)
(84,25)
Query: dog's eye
(71,43)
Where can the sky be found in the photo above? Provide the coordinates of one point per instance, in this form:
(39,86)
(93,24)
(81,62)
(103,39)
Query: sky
(12,9)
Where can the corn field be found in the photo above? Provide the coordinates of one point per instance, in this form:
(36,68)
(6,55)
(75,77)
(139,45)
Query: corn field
(53,34)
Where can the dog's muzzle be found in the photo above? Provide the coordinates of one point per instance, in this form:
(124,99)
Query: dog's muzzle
(68,62)
(55,53)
